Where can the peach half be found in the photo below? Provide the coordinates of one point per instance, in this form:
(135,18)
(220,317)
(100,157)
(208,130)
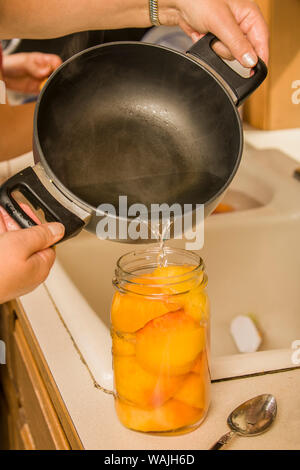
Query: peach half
(171,416)
(139,387)
(194,391)
(123,344)
(176,279)
(170,344)
(196,304)
(130,312)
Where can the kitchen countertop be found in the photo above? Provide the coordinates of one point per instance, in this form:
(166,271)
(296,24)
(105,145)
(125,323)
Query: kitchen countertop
(92,411)
(287,140)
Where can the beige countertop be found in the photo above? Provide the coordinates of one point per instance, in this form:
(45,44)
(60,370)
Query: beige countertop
(287,140)
(92,410)
(285,386)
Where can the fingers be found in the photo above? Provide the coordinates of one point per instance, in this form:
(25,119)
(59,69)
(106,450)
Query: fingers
(226,28)
(10,224)
(41,257)
(189,30)
(54,60)
(40,237)
(42,65)
(256,29)
(218,46)
(222,50)
(238,24)
(30,241)
(29,212)
(17,275)
(39,68)
(33,239)
(39,265)
(2,224)
(26,258)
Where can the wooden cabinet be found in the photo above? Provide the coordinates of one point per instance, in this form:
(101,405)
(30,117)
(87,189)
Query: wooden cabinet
(32,412)
(276,103)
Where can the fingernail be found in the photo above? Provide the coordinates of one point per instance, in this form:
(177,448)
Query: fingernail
(56,229)
(249,60)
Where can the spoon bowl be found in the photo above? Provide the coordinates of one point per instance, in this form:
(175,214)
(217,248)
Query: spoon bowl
(253,417)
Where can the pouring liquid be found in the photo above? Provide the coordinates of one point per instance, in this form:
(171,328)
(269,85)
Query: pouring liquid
(160,236)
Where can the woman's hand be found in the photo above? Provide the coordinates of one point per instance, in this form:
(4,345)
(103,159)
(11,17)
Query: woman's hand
(238,24)
(25,72)
(26,256)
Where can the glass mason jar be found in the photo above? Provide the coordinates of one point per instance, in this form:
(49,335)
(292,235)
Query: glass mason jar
(160,341)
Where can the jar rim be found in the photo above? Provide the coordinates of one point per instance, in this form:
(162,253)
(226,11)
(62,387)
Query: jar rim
(130,277)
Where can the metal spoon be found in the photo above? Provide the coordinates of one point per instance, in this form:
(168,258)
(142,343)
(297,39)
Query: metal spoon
(251,418)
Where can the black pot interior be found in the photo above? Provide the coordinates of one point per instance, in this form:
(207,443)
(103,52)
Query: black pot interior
(138,120)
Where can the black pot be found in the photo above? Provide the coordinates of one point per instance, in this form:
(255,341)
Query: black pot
(133,119)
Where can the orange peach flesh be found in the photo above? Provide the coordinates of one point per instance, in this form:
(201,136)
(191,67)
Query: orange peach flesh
(159,355)
(171,416)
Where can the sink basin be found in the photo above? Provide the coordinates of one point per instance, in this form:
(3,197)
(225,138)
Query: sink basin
(252,256)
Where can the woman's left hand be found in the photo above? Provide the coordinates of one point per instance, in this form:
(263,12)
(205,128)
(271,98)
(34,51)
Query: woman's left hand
(24,72)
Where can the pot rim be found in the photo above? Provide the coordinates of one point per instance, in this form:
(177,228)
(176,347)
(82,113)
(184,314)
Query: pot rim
(40,157)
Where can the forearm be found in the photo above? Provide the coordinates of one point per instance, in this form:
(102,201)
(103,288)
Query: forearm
(16,128)
(52,18)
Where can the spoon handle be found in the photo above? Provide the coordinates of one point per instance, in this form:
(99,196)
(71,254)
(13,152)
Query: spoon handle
(223,440)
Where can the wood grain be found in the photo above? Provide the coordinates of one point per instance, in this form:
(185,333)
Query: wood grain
(58,403)
(41,417)
(271,106)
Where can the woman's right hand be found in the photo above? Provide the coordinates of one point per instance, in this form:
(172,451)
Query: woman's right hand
(26,255)
(239,25)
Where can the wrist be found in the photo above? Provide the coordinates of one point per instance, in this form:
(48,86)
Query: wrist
(168,12)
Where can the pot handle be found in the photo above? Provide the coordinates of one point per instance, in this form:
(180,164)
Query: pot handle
(241,87)
(28,183)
